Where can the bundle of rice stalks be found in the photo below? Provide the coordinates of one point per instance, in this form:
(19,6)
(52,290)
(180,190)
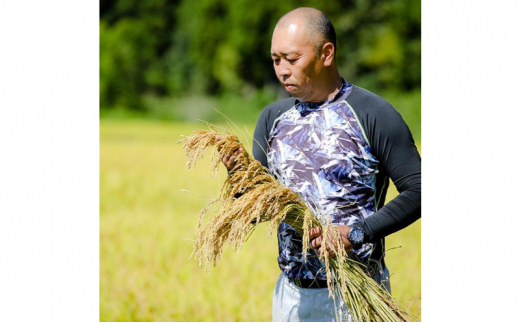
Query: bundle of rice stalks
(251,195)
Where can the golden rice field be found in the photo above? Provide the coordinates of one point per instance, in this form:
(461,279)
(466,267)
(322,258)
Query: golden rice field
(149,204)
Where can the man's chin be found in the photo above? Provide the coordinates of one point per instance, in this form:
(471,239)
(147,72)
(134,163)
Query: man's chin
(294,93)
(297,96)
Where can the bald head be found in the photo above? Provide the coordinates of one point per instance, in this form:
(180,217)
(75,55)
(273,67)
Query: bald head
(318,26)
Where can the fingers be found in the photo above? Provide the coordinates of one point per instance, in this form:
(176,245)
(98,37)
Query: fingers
(319,247)
(316,237)
(230,159)
(329,254)
(316,243)
(315,232)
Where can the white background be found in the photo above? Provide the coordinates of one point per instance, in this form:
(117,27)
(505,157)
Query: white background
(49,160)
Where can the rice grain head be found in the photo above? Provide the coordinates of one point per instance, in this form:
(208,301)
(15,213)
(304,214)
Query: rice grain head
(251,195)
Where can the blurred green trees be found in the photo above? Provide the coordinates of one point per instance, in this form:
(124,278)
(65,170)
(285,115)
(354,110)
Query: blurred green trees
(156,49)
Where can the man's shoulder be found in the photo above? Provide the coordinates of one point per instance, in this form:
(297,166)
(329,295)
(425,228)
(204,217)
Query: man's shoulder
(376,115)
(370,106)
(281,105)
(275,109)
(364,99)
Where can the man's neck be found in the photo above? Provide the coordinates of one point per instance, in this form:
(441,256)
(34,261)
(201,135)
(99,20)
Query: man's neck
(335,88)
(330,89)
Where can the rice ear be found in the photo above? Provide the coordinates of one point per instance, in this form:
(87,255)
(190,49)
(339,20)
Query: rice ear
(250,196)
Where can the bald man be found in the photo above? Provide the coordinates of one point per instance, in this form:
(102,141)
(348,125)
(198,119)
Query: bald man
(336,145)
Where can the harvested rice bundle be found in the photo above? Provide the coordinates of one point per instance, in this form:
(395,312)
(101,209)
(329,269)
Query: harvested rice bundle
(249,196)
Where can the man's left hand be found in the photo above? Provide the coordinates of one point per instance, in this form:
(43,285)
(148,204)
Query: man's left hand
(316,239)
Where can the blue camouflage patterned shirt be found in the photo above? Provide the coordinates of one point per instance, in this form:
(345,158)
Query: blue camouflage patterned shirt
(319,150)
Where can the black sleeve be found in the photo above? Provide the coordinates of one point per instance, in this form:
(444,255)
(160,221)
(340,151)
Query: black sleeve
(393,145)
(260,137)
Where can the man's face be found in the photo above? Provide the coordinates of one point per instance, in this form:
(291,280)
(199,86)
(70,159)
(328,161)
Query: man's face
(295,62)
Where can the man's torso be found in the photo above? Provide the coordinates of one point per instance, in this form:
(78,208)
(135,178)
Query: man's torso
(320,152)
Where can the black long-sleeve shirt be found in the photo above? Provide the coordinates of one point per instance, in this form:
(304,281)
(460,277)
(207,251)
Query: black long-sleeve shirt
(390,142)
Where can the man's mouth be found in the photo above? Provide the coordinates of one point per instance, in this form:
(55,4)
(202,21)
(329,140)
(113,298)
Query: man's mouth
(288,87)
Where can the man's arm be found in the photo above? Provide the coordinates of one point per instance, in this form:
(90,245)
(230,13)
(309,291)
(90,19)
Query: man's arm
(392,143)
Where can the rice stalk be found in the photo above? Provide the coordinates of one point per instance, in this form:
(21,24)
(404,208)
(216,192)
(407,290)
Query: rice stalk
(250,196)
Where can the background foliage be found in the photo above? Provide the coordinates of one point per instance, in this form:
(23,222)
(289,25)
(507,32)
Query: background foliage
(179,59)
(175,61)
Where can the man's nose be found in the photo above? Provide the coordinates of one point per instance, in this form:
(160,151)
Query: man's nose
(285,71)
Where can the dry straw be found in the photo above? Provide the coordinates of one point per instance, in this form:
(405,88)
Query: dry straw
(249,196)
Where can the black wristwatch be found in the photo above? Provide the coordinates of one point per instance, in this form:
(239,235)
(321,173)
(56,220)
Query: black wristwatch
(356,236)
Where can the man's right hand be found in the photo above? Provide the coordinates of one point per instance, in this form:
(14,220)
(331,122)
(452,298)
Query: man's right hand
(230,160)
(316,239)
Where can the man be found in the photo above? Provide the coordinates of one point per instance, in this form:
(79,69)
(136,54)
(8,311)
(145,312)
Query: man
(336,145)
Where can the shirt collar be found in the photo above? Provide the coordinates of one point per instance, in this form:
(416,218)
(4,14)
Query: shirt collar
(307,107)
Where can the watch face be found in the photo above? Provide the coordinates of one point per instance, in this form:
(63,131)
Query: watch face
(356,236)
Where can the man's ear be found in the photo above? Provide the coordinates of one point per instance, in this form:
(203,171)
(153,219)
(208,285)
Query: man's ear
(327,53)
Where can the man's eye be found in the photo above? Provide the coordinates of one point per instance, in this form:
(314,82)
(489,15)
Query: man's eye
(292,61)
(276,61)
